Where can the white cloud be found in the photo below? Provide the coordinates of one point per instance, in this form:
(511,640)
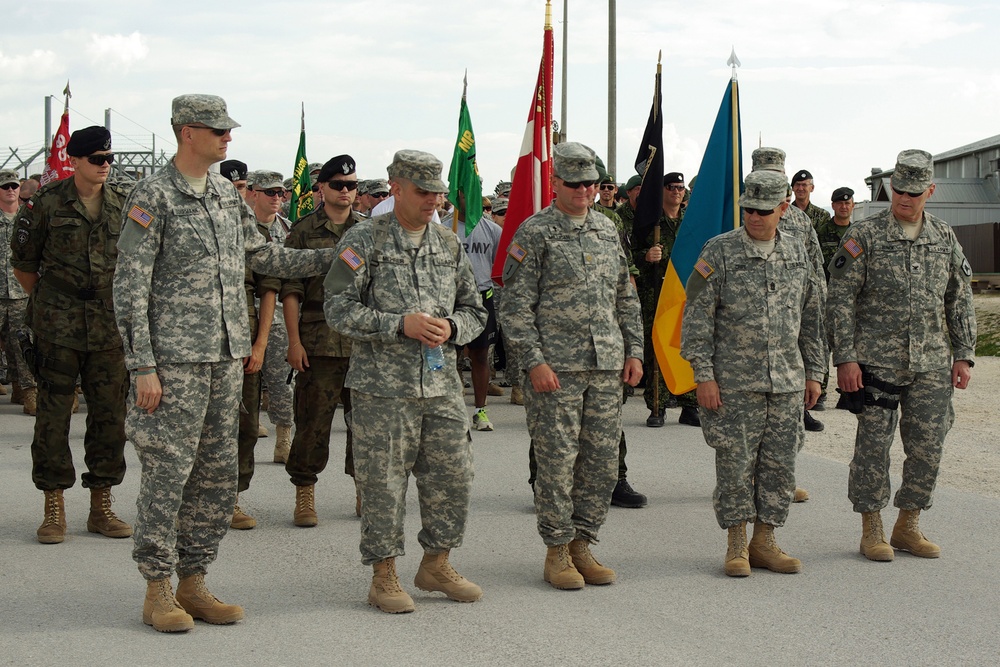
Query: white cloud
(117,51)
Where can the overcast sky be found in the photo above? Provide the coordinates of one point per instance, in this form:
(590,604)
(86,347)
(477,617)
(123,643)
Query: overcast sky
(842,85)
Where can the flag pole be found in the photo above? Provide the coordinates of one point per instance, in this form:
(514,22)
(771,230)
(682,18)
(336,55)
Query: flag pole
(734,62)
(656,228)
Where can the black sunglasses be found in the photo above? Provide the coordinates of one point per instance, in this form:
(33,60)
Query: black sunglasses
(608,186)
(272,192)
(675,188)
(908,194)
(378,195)
(315,188)
(340,185)
(215,130)
(10,186)
(762,212)
(576,184)
(98,160)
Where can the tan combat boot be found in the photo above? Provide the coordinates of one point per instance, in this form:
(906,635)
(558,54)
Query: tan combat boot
(560,570)
(305,506)
(76,400)
(386,593)
(3,390)
(765,552)
(241,520)
(437,574)
(53,528)
(261,430)
(873,544)
(101,519)
(737,553)
(160,608)
(16,394)
(30,398)
(800,495)
(589,568)
(906,536)
(516,395)
(197,600)
(282,443)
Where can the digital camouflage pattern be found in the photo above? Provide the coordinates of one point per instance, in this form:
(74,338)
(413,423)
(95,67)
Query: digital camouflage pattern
(249,423)
(209,110)
(829,235)
(9,287)
(574,162)
(13,307)
(423,169)
(914,171)
(274,373)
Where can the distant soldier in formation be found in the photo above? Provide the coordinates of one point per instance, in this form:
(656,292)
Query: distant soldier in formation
(830,234)
(13,300)
(802,188)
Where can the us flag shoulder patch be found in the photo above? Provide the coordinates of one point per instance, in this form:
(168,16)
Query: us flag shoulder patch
(352,259)
(853,247)
(517,252)
(704,269)
(141,216)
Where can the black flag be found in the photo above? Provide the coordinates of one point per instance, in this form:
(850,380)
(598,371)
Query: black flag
(649,165)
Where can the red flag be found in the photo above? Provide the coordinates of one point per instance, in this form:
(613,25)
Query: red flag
(531,189)
(59,167)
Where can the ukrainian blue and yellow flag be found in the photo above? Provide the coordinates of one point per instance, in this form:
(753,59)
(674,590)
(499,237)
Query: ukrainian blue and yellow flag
(713,209)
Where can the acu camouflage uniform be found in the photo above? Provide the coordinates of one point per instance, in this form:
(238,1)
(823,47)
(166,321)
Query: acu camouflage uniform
(181,307)
(73,319)
(319,388)
(752,324)
(903,310)
(274,373)
(13,309)
(569,304)
(405,417)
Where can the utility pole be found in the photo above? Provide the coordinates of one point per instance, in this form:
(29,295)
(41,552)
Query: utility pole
(612,89)
(562,112)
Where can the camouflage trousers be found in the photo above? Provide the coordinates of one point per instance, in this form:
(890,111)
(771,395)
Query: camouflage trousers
(188,452)
(103,379)
(576,431)
(755,436)
(924,416)
(394,437)
(622,467)
(318,390)
(274,375)
(686,400)
(12,320)
(512,370)
(248,428)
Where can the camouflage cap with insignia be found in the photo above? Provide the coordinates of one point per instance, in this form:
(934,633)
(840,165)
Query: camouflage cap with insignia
(768,159)
(914,171)
(377,186)
(209,110)
(289,183)
(363,186)
(574,162)
(266,180)
(423,169)
(8,176)
(251,177)
(500,204)
(764,190)
(314,168)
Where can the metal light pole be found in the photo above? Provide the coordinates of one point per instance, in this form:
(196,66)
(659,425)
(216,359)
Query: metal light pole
(612,89)
(562,112)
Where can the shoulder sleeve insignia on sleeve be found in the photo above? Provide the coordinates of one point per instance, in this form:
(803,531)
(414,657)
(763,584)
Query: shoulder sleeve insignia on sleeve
(853,247)
(22,235)
(517,252)
(351,258)
(30,204)
(966,267)
(141,216)
(704,268)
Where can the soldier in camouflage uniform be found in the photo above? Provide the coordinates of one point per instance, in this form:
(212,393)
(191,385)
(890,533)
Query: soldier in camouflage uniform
(319,354)
(574,323)
(400,285)
(754,336)
(903,331)
(63,254)
(186,240)
(652,259)
(13,298)
(831,233)
(802,188)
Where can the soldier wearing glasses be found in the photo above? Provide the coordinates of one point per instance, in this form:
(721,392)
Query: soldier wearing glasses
(903,331)
(754,336)
(63,254)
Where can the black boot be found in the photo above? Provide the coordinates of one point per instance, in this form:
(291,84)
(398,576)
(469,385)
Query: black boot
(811,423)
(625,496)
(689,416)
(655,419)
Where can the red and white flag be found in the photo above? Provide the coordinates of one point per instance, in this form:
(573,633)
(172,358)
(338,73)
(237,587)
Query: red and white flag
(58,166)
(531,189)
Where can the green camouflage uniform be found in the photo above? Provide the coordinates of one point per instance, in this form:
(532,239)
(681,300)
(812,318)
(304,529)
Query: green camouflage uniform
(752,324)
(830,235)
(903,310)
(181,307)
(569,304)
(13,309)
(817,216)
(320,387)
(73,320)
(405,417)
(648,283)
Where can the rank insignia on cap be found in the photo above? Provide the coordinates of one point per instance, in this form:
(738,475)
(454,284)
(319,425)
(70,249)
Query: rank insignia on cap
(853,247)
(517,252)
(703,268)
(141,216)
(352,259)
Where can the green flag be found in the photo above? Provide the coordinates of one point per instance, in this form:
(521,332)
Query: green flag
(301,204)
(463,176)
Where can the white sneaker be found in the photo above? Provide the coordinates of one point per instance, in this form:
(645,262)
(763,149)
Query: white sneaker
(481,421)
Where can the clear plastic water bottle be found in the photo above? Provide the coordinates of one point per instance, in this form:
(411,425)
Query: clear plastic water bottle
(433,357)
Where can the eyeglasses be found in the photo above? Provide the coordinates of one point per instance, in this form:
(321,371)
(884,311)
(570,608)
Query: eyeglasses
(576,184)
(215,130)
(10,186)
(98,160)
(762,212)
(340,185)
(272,192)
(607,186)
(675,188)
(908,194)
(378,195)
(501,211)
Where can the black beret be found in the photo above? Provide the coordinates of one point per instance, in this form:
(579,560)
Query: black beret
(342,165)
(803,175)
(672,178)
(234,170)
(842,194)
(89,140)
